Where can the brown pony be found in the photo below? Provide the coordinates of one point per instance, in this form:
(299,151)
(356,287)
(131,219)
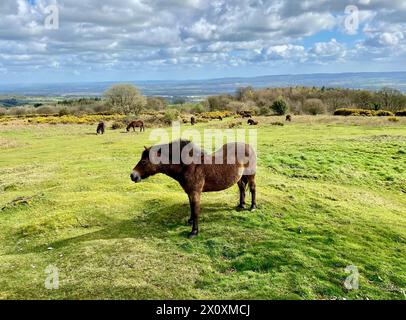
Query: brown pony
(245,114)
(252,122)
(193,121)
(234,163)
(136,124)
(289,118)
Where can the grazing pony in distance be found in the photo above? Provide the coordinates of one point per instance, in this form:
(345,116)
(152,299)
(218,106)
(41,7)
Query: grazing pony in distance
(193,121)
(252,122)
(245,114)
(289,118)
(197,172)
(136,124)
(101,128)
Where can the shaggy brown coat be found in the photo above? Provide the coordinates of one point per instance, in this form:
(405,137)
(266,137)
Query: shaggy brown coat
(136,124)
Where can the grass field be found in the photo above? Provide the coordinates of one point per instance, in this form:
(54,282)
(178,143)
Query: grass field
(331,193)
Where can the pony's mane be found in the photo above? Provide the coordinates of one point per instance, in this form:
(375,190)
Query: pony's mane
(182,144)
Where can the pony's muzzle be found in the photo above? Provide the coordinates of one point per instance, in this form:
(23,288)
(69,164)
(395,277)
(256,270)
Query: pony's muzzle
(135,177)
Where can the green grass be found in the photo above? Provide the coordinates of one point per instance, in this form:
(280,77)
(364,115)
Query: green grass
(329,196)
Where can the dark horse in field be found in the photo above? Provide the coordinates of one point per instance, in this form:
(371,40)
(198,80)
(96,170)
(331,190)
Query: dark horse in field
(101,128)
(198,172)
(252,122)
(136,124)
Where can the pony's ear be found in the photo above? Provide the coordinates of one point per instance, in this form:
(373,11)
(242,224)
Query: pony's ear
(145,148)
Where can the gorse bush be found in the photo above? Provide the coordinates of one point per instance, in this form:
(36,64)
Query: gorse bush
(353,112)
(216,114)
(393,119)
(384,113)
(362,112)
(70,119)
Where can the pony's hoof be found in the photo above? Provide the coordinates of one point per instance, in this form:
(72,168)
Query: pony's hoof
(193,234)
(190,221)
(253,208)
(240,208)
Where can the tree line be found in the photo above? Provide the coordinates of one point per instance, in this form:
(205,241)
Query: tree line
(127,99)
(305,100)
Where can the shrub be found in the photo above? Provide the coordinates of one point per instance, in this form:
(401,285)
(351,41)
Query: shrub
(264,111)
(156,103)
(63,112)
(401,113)
(102,108)
(197,108)
(280,107)
(345,112)
(218,102)
(3,111)
(393,119)
(367,113)
(354,112)
(69,119)
(118,125)
(45,110)
(235,125)
(170,116)
(18,111)
(236,106)
(216,114)
(314,107)
(384,113)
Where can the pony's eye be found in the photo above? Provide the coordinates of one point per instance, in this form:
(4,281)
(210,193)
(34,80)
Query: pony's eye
(144,161)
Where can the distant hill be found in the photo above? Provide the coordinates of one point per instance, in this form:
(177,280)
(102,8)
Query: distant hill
(195,89)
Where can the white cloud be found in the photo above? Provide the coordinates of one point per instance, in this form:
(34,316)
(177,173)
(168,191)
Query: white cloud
(332,49)
(129,34)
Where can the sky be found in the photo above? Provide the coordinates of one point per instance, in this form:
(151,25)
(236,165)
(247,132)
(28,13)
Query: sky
(44,41)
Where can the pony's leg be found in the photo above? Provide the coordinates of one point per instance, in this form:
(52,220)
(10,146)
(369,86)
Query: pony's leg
(241,185)
(253,190)
(190,221)
(195,209)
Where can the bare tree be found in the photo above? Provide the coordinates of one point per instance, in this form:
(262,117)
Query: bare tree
(125,99)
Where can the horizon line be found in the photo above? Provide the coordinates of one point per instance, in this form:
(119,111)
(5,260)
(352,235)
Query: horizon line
(203,79)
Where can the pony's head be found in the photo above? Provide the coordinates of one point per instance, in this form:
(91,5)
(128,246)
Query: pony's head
(158,158)
(145,167)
